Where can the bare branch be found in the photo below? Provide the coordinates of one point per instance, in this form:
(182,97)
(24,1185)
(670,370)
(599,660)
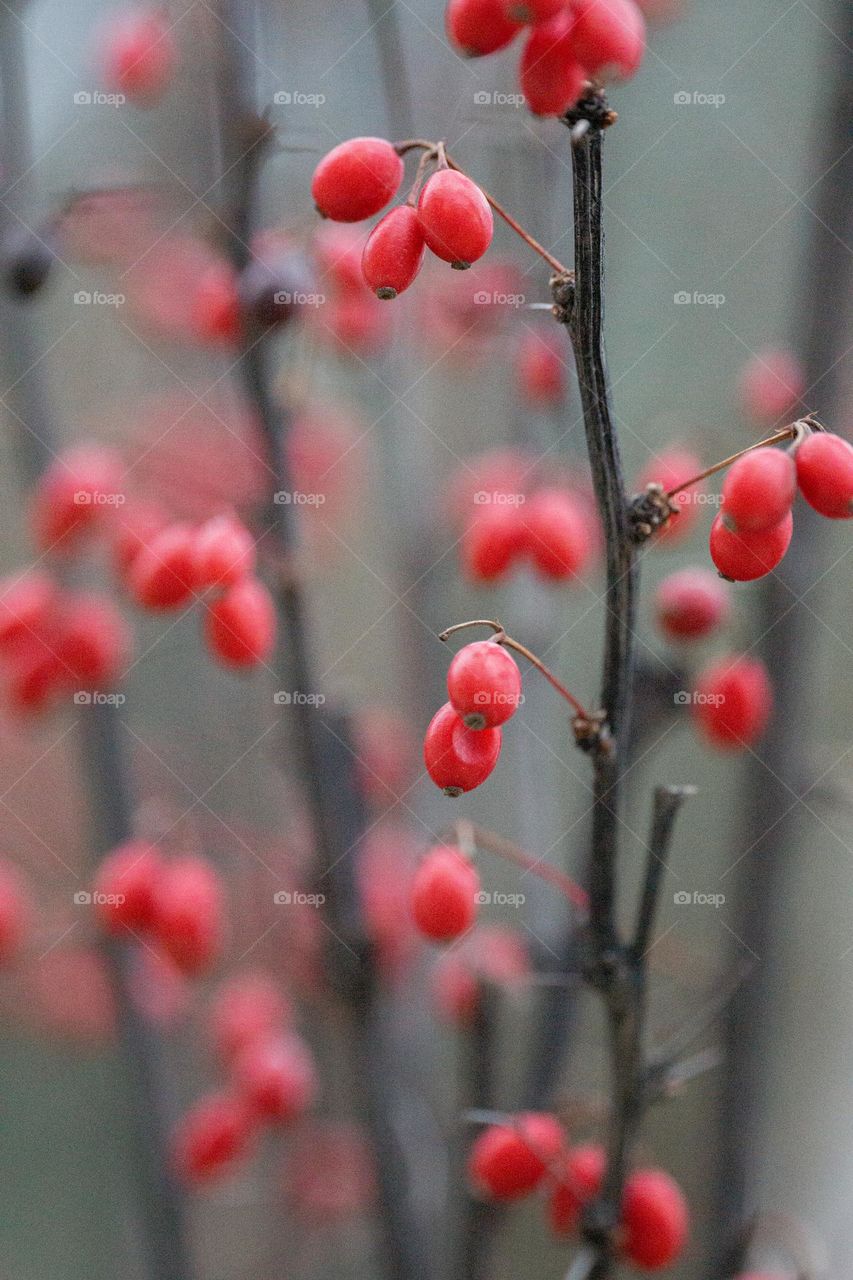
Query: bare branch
(667,802)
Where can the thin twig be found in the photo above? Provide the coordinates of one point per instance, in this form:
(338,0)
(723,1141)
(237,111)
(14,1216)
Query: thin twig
(786,433)
(667,801)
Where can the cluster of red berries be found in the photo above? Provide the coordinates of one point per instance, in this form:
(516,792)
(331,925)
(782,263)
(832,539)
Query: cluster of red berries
(138,56)
(452,217)
(271,1079)
(463,740)
(570,43)
(509,1161)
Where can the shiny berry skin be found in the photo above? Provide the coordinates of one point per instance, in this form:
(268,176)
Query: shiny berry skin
(654,1218)
(92,640)
(139,56)
(609,37)
(771,384)
(188,918)
(734,698)
(15,914)
(246,1008)
(534,11)
(743,557)
(550,75)
(276,1078)
(507,1162)
(457,758)
(484,684)
(540,370)
(444,894)
(240,626)
(77,493)
(492,542)
(581,1179)
(210,1137)
(455,218)
(559,534)
(825,474)
(691,604)
(759,489)
(129,876)
(478,27)
(162,573)
(223,553)
(28,603)
(356,179)
(394,252)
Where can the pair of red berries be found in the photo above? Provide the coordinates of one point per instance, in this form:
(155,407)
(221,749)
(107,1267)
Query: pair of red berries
(556,531)
(752,532)
(452,218)
(178,905)
(571,42)
(463,740)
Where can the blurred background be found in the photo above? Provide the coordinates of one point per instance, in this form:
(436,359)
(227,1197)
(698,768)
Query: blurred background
(727,185)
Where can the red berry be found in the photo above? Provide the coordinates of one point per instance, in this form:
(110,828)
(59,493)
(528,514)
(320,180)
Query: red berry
(188,919)
(484,684)
(212,1135)
(93,640)
(126,885)
(580,1182)
(771,383)
(356,179)
(759,489)
(36,677)
(457,758)
(541,370)
(493,954)
(492,541)
(478,27)
(560,535)
(215,310)
(655,1219)
(825,474)
(507,1162)
(338,251)
(609,37)
(444,890)
(139,56)
(743,557)
(15,914)
(733,701)
(276,1078)
(551,77)
(162,573)
(73,496)
(246,1008)
(240,626)
(394,252)
(455,218)
(670,469)
(535,11)
(690,604)
(223,554)
(27,606)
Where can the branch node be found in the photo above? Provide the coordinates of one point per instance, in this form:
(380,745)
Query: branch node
(592,110)
(592,733)
(648,512)
(562,287)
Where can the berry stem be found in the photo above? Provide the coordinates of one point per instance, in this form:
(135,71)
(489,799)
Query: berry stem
(491,842)
(790,432)
(502,638)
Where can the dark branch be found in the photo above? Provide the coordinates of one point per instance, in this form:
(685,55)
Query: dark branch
(667,802)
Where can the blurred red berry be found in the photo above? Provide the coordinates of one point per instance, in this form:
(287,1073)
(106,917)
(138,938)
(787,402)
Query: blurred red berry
(393,253)
(247,1007)
(484,684)
(16,914)
(691,604)
(444,904)
(338,249)
(609,37)
(655,1219)
(215,310)
(276,1077)
(825,474)
(771,384)
(509,1161)
(356,179)
(210,1138)
(669,469)
(126,885)
(93,641)
(162,573)
(743,557)
(551,76)
(457,758)
(240,626)
(189,919)
(478,27)
(759,489)
(580,1181)
(139,56)
(455,218)
(223,553)
(541,371)
(733,701)
(560,535)
(492,542)
(75,494)
(386,751)
(28,603)
(494,954)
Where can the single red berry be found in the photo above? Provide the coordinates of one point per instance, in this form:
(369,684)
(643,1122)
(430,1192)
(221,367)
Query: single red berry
(215,308)
(609,37)
(139,56)
(393,253)
(535,11)
(551,77)
(733,701)
(825,474)
(457,758)
(493,540)
(16,914)
(246,1008)
(35,677)
(478,27)
(162,574)
(276,1077)
(28,604)
(188,919)
(356,179)
(444,903)
(540,370)
(240,626)
(580,1181)
(691,604)
(93,640)
(455,218)
(74,496)
(213,1135)
(759,489)
(559,534)
(126,886)
(743,557)
(771,383)
(484,684)
(655,1219)
(509,1161)
(223,554)
(669,469)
